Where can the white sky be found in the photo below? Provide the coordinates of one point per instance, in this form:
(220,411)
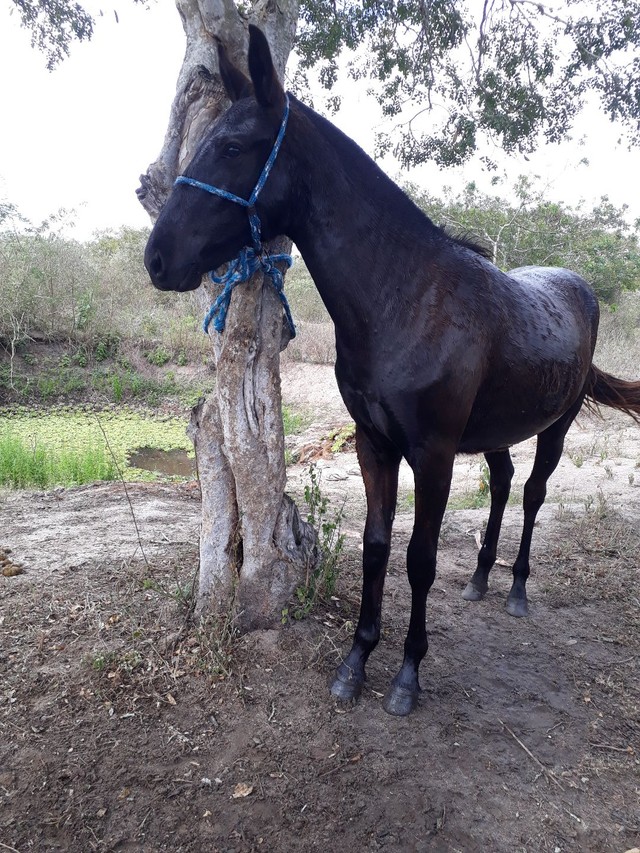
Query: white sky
(80,136)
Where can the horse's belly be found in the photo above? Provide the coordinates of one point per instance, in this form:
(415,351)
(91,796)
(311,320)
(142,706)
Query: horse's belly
(500,437)
(503,417)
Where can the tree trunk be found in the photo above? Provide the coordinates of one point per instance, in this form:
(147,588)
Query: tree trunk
(254,548)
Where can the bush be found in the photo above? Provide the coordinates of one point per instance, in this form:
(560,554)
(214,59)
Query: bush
(158,356)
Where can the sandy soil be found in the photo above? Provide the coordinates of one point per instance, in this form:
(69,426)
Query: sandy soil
(123,727)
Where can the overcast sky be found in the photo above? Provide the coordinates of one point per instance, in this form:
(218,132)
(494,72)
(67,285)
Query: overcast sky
(80,136)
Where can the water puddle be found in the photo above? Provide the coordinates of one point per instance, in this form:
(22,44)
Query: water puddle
(175,463)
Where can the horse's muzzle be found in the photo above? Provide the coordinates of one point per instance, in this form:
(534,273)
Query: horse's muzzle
(165,276)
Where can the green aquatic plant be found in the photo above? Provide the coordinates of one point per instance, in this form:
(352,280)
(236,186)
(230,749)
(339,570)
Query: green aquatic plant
(71,445)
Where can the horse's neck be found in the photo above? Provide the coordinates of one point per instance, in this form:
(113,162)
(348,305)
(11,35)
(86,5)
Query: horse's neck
(355,225)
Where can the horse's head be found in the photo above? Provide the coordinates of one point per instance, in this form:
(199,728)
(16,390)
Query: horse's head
(198,230)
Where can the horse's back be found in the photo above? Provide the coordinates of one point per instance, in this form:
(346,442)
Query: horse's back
(562,285)
(557,310)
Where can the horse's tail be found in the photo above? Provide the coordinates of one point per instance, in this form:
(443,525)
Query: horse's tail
(607,390)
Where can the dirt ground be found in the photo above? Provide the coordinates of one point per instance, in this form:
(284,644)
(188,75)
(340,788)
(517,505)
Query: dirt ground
(123,727)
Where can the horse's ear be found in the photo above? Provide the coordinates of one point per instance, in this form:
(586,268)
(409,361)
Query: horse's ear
(236,84)
(267,88)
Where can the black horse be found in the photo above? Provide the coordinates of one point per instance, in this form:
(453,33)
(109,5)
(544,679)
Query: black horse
(438,351)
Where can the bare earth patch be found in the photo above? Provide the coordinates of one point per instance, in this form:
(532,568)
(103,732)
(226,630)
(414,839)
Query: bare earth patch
(125,727)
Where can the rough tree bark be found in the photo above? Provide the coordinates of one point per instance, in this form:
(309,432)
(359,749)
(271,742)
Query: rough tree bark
(254,547)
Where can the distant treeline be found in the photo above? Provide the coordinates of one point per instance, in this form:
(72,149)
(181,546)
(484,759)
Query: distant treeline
(599,243)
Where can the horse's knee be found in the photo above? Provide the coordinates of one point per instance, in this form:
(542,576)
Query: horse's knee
(376,549)
(535,492)
(421,565)
(500,491)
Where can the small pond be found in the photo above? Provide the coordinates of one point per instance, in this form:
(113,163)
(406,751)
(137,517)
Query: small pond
(132,443)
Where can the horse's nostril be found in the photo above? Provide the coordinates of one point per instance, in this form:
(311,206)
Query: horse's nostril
(156,266)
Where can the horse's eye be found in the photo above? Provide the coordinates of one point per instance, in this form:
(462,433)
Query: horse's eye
(232,150)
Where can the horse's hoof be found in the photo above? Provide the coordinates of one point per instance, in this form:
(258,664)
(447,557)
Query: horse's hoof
(473,593)
(346,685)
(517,607)
(400,701)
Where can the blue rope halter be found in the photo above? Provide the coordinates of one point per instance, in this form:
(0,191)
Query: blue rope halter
(250,259)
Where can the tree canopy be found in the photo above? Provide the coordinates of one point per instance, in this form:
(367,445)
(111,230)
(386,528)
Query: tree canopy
(54,26)
(515,72)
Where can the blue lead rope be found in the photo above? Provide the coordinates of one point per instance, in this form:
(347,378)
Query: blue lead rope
(249,260)
(239,270)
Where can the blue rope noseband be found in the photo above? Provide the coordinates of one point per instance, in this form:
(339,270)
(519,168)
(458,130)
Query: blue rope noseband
(249,260)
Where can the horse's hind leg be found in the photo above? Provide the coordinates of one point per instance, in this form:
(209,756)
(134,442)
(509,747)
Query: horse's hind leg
(500,475)
(380,474)
(548,453)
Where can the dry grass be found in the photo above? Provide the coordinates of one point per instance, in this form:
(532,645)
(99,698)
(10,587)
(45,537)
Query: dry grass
(618,349)
(313,344)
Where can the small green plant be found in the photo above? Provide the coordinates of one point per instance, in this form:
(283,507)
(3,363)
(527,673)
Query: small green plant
(158,356)
(293,422)
(477,498)
(125,663)
(322,578)
(561,511)
(106,347)
(483,482)
(79,358)
(577,459)
(117,387)
(100,661)
(341,437)
(596,505)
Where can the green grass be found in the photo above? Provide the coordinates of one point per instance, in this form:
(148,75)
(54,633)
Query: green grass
(294,422)
(36,466)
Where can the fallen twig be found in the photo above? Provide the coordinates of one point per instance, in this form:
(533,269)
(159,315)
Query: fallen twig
(126,492)
(352,760)
(544,769)
(628,749)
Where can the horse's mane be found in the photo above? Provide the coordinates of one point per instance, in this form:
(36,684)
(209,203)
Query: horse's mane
(469,241)
(360,163)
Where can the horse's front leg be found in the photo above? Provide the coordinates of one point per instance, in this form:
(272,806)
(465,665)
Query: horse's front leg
(379,467)
(432,472)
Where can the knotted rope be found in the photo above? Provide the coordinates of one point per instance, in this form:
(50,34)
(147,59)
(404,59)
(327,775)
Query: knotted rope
(239,270)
